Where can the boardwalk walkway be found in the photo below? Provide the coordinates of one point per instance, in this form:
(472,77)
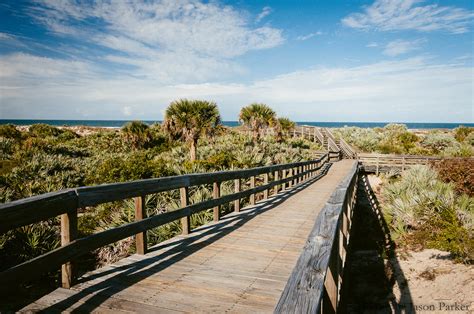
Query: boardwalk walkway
(240,264)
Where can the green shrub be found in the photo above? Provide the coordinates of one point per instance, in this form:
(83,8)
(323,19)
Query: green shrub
(43,130)
(422,209)
(9,131)
(438,141)
(136,133)
(365,139)
(121,168)
(459,172)
(470,139)
(462,132)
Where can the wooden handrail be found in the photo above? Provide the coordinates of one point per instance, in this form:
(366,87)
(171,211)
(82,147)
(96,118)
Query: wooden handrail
(66,202)
(314,285)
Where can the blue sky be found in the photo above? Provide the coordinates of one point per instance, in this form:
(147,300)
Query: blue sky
(383,60)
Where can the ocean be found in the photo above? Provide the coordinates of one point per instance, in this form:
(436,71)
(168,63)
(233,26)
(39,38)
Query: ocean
(120,123)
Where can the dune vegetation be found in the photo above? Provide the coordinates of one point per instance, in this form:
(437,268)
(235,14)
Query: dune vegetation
(433,207)
(397,139)
(44,158)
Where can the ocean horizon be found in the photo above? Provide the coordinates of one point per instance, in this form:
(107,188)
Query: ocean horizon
(335,124)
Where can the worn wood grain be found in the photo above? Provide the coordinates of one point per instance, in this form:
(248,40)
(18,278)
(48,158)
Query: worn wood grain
(305,288)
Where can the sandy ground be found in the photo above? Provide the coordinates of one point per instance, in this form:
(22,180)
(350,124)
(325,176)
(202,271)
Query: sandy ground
(431,283)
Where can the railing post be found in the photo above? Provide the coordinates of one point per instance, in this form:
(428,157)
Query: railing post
(277,177)
(377,166)
(295,173)
(68,234)
(290,183)
(403,163)
(265,182)
(185,221)
(140,238)
(252,185)
(300,170)
(237,190)
(216,193)
(283,176)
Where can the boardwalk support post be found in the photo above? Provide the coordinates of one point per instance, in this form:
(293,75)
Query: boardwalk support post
(185,221)
(68,234)
(216,193)
(265,182)
(277,177)
(252,185)
(237,190)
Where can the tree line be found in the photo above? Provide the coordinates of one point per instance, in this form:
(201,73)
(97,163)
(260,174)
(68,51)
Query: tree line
(190,120)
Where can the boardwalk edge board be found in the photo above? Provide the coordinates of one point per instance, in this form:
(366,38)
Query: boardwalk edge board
(307,286)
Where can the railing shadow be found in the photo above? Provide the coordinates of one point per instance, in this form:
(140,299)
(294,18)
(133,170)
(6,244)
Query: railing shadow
(122,277)
(372,268)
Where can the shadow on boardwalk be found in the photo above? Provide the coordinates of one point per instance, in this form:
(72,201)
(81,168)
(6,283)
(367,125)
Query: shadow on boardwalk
(120,278)
(369,280)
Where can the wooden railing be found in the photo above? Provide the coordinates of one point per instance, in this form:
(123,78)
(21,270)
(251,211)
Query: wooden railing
(325,137)
(384,162)
(314,285)
(347,149)
(66,203)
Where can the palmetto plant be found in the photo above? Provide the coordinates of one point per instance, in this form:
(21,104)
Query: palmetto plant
(137,133)
(257,117)
(282,127)
(190,120)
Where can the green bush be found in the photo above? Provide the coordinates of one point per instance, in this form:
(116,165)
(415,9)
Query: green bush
(422,209)
(364,139)
(438,141)
(9,131)
(462,132)
(43,130)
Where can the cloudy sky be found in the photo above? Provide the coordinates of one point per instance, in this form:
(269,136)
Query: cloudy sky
(383,60)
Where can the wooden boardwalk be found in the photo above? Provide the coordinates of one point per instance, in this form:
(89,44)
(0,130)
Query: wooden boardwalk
(239,264)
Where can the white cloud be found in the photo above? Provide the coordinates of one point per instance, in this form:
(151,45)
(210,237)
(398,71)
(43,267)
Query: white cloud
(5,37)
(372,45)
(308,36)
(127,111)
(404,90)
(265,12)
(399,46)
(392,15)
(156,35)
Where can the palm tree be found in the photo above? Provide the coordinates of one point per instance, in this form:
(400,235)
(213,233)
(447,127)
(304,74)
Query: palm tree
(191,119)
(282,127)
(256,117)
(137,133)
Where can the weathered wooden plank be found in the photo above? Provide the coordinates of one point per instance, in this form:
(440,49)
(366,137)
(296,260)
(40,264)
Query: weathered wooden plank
(37,208)
(304,290)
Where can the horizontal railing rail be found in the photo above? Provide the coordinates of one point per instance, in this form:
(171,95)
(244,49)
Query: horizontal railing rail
(65,203)
(389,162)
(315,282)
